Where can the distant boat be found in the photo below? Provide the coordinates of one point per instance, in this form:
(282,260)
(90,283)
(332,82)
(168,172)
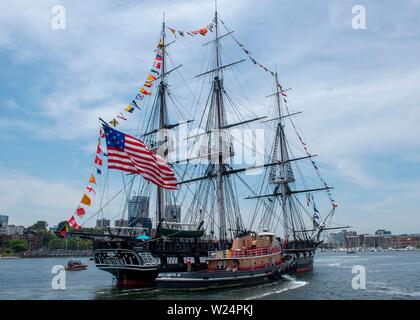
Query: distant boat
(351,251)
(75,265)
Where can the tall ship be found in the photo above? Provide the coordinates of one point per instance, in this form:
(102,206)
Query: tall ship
(216,209)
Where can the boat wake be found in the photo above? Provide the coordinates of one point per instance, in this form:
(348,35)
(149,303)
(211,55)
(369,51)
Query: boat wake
(290,284)
(383,288)
(334,265)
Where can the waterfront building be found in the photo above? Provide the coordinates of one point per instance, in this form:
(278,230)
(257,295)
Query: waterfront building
(35,241)
(145,223)
(402,241)
(354,241)
(382,240)
(15,230)
(338,239)
(119,223)
(382,232)
(103,223)
(173,213)
(138,207)
(3,230)
(335,239)
(373,241)
(4,220)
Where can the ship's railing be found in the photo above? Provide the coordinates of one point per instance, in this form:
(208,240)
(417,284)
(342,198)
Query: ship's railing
(128,231)
(147,259)
(228,254)
(179,226)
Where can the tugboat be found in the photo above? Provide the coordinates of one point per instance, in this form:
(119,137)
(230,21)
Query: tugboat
(75,265)
(253,258)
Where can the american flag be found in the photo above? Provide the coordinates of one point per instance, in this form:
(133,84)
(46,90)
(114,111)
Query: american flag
(129,154)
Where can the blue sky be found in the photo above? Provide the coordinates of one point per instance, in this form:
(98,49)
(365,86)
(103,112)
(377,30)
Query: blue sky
(358,89)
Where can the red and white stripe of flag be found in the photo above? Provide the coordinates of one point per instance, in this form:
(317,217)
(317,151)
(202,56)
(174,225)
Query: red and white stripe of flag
(137,158)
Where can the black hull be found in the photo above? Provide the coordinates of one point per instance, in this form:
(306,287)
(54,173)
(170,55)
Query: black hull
(303,253)
(217,284)
(172,256)
(133,278)
(304,264)
(129,266)
(220,279)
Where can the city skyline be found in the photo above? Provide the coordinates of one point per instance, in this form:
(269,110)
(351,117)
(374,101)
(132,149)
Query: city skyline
(360,103)
(347,230)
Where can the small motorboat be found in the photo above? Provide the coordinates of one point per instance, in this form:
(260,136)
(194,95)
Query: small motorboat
(75,265)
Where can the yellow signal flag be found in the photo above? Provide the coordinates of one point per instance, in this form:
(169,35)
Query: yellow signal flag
(129,108)
(151,77)
(86,200)
(173,31)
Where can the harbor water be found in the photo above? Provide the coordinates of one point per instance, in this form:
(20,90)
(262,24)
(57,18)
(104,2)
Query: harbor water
(389,275)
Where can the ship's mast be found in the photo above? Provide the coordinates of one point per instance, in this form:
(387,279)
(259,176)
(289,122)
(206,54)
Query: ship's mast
(218,98)
(162,118)
(283,182)
(218,171)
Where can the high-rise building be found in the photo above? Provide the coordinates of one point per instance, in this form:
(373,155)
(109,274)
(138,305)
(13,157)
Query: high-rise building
(339,239)
(173,213)
(121,223)
(4,220)
(138,207)
(103,223)
(145,223)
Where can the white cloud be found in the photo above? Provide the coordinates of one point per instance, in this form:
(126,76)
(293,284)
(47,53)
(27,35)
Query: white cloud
(99,60)
(27,198)
(354,172)
(359,91)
